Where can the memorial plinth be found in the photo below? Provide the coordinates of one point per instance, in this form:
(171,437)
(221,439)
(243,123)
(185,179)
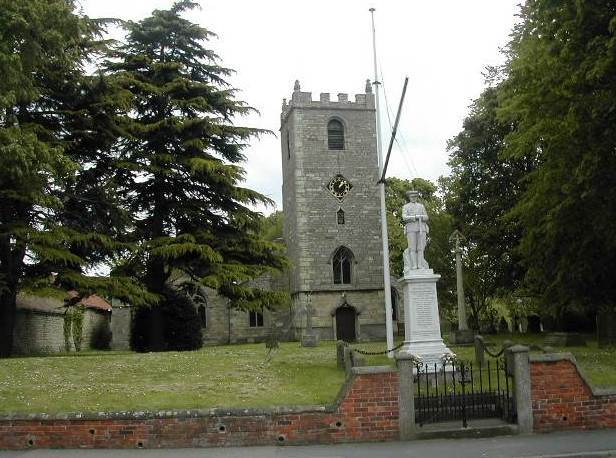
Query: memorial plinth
(422,325)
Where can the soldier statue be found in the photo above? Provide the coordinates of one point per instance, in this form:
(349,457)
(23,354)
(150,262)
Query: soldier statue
(416,228)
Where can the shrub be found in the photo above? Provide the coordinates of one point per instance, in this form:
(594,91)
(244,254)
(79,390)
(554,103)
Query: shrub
(100,339)
(182,325)
(172,324)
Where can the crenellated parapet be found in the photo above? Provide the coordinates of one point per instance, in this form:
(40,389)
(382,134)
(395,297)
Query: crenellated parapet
(301,99)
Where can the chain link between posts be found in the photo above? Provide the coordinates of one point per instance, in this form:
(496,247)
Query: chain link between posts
(372,353)
(493,355)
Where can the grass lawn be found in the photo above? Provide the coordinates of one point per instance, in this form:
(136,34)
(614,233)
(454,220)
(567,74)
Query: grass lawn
(598,364)
(226,376)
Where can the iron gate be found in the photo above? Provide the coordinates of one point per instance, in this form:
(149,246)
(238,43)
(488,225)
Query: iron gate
(458,390)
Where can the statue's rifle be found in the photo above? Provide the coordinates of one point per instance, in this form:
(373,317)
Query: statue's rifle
(419,259)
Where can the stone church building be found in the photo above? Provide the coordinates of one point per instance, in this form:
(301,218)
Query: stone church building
(332,229)
(332,233)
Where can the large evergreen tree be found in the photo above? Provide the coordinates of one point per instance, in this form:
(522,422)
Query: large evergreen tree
(43,155)
(179,163)
(560,91)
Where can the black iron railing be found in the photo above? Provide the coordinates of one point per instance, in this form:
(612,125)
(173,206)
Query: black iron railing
(458,390)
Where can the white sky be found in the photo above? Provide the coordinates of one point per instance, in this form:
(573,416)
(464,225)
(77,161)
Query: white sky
(442,45)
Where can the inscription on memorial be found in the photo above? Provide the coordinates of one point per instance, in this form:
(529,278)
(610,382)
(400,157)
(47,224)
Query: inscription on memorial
(424,301)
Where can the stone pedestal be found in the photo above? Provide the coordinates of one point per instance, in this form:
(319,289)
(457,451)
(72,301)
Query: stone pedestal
(422,329)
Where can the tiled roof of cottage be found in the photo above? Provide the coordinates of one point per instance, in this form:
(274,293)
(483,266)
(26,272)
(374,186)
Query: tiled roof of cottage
(93,302)
(50,304)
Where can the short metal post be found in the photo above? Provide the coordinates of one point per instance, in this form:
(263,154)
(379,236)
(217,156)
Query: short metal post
(479,350)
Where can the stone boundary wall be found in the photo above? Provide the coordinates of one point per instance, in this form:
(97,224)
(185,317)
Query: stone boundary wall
(39,332)
(366,410)
(562,397)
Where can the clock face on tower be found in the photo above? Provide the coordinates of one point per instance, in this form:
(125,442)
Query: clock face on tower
(339,186)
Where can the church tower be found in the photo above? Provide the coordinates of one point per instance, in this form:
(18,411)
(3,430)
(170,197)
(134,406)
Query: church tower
(332,214)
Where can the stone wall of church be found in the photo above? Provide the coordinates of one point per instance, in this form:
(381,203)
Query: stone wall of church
(367,306)
(227,325)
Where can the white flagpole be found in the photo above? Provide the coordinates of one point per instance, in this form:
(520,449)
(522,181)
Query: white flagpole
(386,277)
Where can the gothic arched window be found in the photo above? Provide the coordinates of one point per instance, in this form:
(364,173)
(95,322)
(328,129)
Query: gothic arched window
(341,263)
(335,135)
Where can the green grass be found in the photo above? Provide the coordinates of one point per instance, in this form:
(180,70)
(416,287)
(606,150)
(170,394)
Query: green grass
(226,376)
(598,364)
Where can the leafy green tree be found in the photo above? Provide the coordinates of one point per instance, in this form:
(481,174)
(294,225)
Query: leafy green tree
(560,92)
(179,169)
(483,188)
(272,226)
(43,46)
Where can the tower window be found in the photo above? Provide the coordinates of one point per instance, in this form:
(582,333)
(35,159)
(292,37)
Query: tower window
(288,146)
(255,319)
(340,216)
(202,316)
(341,264)
(335,135)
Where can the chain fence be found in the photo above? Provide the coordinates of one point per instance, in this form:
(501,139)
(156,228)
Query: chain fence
(371,353)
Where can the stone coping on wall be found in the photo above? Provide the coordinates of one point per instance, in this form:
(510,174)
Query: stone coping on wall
(167,413)
(212,412)
(367,370)
(366,410)
(566,356)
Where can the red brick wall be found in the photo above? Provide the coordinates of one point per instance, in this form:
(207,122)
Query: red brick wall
(366,411)
(562,400)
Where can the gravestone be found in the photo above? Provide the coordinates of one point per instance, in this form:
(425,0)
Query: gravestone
(309,337)
(564,339)
(340,345)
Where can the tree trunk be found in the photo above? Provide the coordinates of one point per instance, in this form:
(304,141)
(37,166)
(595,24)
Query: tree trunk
(7,323)
(11,262)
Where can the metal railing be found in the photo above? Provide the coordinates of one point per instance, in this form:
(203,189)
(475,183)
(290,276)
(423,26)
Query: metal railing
(456,390)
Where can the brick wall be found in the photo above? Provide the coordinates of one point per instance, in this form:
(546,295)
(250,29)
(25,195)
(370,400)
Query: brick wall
(562,398)
(366,410)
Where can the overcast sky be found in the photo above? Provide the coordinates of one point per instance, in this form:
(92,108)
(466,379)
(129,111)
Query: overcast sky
(442,45)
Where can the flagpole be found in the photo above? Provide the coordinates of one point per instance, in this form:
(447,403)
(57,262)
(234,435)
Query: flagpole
(386,276)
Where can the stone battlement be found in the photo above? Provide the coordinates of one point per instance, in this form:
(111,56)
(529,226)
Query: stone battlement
(301,99)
